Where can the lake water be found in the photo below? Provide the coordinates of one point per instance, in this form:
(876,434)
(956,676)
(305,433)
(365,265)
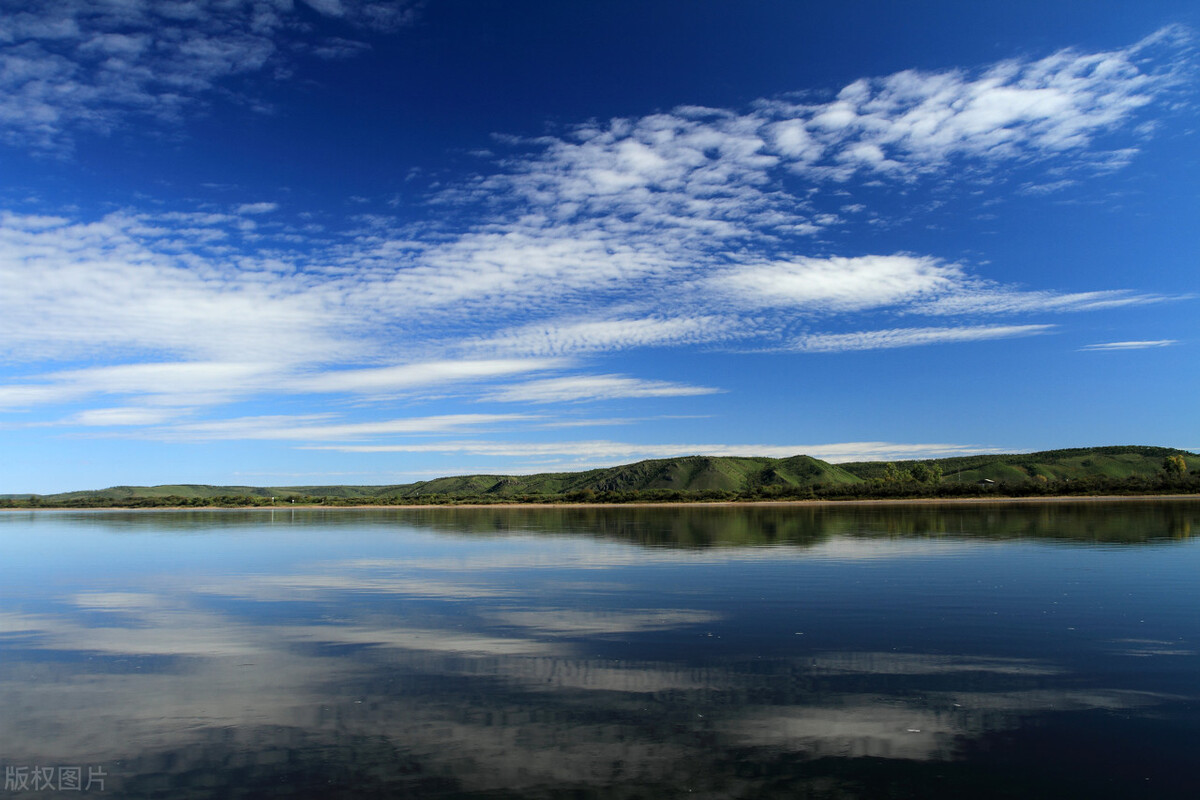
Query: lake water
(1045,650)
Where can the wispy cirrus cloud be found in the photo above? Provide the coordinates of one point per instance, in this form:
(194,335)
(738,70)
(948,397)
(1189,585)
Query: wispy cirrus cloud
(579,388)
(130,284)
(201,383)
(322,427)
(911,337)
(982,297)
(567,336)
(404,377)
(154,383)
(1133,345)
(121,416)
(600,452)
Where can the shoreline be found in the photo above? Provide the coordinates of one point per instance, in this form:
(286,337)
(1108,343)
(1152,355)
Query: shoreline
(913,501)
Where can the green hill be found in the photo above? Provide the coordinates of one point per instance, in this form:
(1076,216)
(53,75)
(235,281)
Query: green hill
(691,475)
(687,474)
(699,477)
(1112,463)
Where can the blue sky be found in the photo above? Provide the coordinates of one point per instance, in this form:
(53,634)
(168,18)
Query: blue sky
(278,243)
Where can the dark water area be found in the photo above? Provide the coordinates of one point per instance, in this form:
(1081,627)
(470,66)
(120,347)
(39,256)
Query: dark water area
(1024,650)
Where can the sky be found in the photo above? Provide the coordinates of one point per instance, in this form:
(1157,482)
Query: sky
(266,242)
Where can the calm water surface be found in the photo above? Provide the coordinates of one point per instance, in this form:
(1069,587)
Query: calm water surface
(847,651)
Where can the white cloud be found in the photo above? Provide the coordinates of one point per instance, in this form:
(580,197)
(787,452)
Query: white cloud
(973,297)
(257,208)
(577,388)
(120,284)
(524,267)
(911,337)
(205,383)
(122,416)
(620,333)
(916,121)
(597,453)
(23,396)
(712,173)
(382,380)
(161,384)
(1143,345)
(839,284)
(319,427)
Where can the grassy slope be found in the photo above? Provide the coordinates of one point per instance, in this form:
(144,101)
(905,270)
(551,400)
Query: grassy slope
(1077,464)
(689,474)
(698,474)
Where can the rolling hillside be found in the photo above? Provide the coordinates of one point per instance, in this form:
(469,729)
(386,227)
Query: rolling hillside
(1055,465)
(686,476)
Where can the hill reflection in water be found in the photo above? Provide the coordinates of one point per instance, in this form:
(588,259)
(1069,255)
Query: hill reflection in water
(858,651)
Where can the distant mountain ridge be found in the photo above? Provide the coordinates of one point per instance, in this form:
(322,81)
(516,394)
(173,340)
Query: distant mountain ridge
(694,475)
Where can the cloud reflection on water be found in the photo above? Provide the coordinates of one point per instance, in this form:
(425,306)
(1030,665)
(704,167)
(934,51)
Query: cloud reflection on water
(455,663)
(491,701)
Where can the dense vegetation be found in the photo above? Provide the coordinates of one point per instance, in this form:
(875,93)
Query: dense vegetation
(1093,471)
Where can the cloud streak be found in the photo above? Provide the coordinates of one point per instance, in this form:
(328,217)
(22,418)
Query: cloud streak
(597,453)
(1135,345)
(912,337)
(593,387)
(191,383)
(318,428)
